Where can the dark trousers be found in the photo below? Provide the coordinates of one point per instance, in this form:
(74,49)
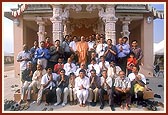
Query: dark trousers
(109,92)
(66,56)
(50,95)
(119,96)
(122,62)
(51,64)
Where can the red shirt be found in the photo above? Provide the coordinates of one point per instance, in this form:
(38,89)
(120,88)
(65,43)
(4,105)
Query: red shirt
(47,45)
(58,67)
(131,62)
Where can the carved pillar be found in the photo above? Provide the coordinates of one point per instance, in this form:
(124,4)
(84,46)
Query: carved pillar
(109,19)
(41,30)
(125,28)
(57,23)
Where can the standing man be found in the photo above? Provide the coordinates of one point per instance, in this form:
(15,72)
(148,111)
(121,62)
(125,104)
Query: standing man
(82,86)
(23,57)
(82,48)
(62,88)
(137,51)
(94,88)
(106,88)
(32,52)
(100,49)
(110,51)
(65,46)
(122,86)
(56,51)
(122,51)
(47,43)
(42,55)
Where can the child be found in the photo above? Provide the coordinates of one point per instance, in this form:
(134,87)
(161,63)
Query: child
(72,92)
(131,62)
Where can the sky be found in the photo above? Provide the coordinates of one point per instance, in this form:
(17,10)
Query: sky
(8,28)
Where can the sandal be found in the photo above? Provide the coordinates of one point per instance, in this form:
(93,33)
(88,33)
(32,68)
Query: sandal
(26,107)
(44,109)
(84,105)
(51,109)
(122,107)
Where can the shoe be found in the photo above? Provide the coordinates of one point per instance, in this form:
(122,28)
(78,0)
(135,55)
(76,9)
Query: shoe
(93,103)
(112,108)
(75,102)
(63,104)
(71,103)
(56,104)
(127,107)
(101,106)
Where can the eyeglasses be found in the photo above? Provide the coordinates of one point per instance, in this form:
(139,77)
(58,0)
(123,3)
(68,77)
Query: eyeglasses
(62,72)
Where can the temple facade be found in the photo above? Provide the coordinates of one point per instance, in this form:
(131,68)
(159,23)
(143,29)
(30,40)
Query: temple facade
(36,21)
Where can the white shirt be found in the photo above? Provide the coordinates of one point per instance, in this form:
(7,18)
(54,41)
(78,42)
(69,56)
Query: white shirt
(77,71)
(23,55)
(37,76)
(96,67)
(45,79)
(110,71)
(85,82)
(69,69)
(100,49)
(106,64)
(91,44)
(108,81)
(132,76)
(73,45)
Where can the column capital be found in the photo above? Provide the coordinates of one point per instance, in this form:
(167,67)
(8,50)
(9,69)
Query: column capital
(126,20)
(40,20)
(109,14)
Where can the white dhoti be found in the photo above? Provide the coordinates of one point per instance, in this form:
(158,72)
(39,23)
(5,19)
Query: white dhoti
(82,95)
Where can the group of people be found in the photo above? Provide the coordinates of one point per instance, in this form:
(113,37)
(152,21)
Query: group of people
(86,70)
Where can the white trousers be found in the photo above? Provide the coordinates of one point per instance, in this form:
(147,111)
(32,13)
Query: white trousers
(42,62)
(24,89)
(72,94)
(59,93)
(82,95)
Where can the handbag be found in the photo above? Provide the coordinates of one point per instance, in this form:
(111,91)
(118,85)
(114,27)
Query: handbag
(148,94)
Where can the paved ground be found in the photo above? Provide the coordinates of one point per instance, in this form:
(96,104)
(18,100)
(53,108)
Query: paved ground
(8,93)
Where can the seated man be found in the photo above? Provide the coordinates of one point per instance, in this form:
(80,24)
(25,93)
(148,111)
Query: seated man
(103,64)
(106,88)
(27,75)
(122,86)
(95,66)
(48,87)
(69,67)
(82,86)
(59,65)
(82,66)
(62,88)
(138,84)
(72,91)
(113,70)
(94,87)
(36,80)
